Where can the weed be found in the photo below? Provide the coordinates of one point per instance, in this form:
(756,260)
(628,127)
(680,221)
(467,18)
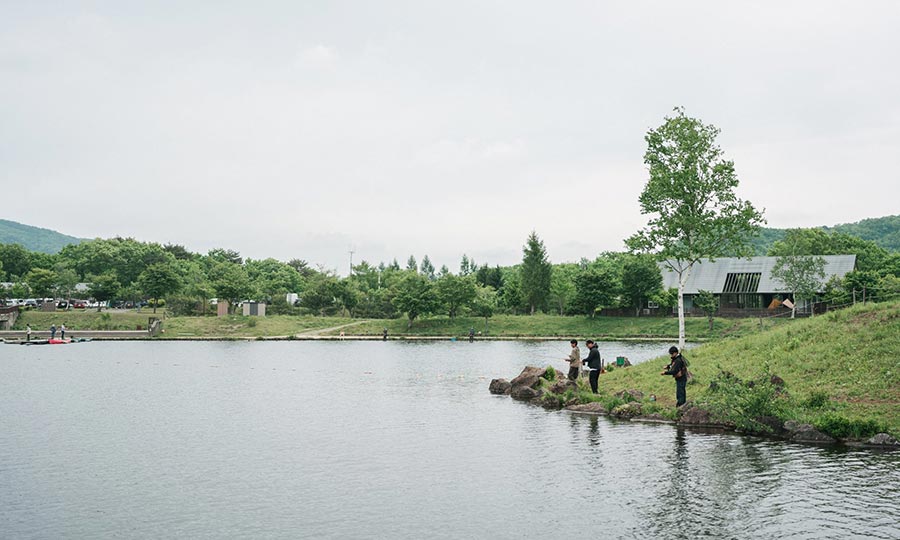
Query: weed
(844,428)
(550,374)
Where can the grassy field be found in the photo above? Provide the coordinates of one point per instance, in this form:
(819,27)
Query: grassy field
(843,364)
(235,326)
(565,327)
(507,326)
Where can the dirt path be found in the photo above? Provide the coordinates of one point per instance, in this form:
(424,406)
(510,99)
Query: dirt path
(322,331)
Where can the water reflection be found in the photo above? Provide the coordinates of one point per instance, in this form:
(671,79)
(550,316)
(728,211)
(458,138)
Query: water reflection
(387,440)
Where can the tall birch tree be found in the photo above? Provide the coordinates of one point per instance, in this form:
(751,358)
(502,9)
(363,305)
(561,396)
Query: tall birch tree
(690,199)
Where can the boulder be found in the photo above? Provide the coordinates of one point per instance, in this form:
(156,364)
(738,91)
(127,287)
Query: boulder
(530,377)
(593,408)
(628,410)
(883,439)
(549,401)
(691,415)
(635,395)
(775,425)
(524,393)
(500,386)
(561,386)
(806,433)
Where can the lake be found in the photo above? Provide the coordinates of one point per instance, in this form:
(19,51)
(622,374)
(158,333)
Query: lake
(386,440)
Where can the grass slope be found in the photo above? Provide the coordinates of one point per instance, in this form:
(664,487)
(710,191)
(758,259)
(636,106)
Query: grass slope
(852,356)
(234,326)
(566,327)
(34,238)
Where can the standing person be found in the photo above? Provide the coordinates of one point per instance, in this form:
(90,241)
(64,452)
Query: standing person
(471,335)
(62,331)
(52,331)
(677,368)
(28,332)
(574,361)
(384,335)
(594,363)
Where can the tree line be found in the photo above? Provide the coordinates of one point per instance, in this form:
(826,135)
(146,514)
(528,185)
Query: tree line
(692,210)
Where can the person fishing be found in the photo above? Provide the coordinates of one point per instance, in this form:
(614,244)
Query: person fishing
(677,368)
(574,361)
(594,363)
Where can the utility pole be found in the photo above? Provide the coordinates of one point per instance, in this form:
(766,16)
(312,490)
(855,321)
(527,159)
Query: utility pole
(351,261)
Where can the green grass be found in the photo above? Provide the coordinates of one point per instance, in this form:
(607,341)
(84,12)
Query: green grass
(844,364)
(564,327)
(236,326)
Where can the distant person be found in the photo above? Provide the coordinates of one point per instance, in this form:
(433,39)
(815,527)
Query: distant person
(384,335)
(27,332)
(62,331)
(52,331)
(677,368)
(594,363)
(471,335)
(574,361)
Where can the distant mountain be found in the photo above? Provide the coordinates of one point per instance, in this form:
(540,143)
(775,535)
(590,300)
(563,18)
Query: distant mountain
(34,238)
(884,231)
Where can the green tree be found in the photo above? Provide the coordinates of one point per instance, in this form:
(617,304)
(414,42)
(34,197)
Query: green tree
(321,295)
(455,292)
(231,283)
(41,281)
(708,303)
(16,261)
(595,289)
(411,264)
(415,296)
(158,281)
(691,199)
(485,303)
(426,268)
(802,275)
(869,256)
(104,287)
(535,272)
(562,286)
(641,279)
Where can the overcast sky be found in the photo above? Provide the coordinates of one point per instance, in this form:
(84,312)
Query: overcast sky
(304,129)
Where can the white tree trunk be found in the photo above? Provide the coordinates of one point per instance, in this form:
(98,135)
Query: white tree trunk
(682,279)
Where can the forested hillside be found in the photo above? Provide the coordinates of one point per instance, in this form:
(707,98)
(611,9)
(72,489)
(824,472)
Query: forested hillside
(34,238)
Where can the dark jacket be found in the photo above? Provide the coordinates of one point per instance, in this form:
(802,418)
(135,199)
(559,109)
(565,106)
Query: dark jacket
(593,360)
(677,366)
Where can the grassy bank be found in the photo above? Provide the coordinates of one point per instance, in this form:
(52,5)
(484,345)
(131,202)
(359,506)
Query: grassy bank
(499,326)
(565,327)
(234,326)
(841,371)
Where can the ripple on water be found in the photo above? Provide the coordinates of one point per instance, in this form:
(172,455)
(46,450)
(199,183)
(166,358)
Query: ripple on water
(352,440)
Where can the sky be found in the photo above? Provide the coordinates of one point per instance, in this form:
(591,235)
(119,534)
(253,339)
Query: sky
(312,129)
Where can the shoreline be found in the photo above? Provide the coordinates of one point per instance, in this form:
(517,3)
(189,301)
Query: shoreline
(140,335)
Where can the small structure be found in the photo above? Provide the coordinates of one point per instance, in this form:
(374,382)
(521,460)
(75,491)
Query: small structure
(745,286)
(8,316)
(254,309)
(222,308)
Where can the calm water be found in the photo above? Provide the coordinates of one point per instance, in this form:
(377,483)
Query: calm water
(385,440)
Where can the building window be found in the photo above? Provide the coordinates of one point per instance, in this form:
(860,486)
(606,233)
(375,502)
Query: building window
(742,283)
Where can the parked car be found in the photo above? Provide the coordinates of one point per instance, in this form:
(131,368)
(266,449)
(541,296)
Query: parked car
(62,304)
(31,303)
(79,304)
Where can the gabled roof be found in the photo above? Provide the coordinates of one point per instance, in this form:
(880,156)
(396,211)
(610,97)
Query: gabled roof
(710,275)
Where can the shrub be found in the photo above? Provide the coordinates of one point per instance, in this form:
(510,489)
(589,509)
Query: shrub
(841,427)
(251,322)
(816,400)
(743,403)
(550,374)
